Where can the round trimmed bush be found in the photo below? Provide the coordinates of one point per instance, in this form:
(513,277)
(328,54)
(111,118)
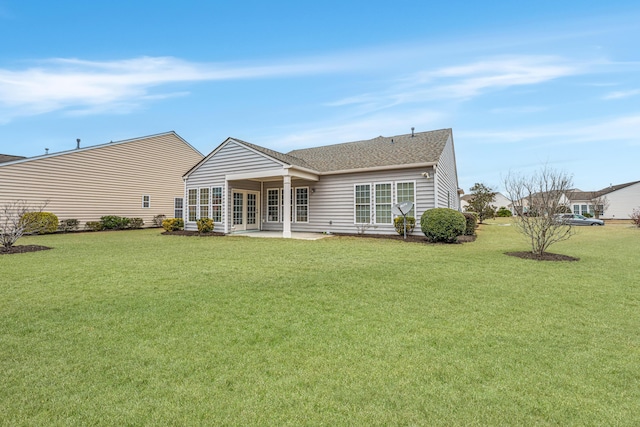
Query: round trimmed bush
(40,222)
(173,224)
(205,225)
(503,212)
(442,224)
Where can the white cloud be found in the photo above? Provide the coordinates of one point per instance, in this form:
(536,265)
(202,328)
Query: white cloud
(622,94)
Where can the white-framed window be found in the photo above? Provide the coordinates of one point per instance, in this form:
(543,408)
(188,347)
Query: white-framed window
(362,196)
(192,204)
(146,201)
(177,207)
(216,204)
(203,203)
(405,192)
(302,204)
(383,198)
(273,205)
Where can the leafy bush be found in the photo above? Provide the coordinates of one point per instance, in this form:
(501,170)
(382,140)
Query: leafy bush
(157,220)
(67,225)
(93,226)
(442,224)
(587,215)
(136,223)
(471,221)
(398,223)
(205,225)
(635,217)
(40,222)
(113,222)
(503,212)
(173,224)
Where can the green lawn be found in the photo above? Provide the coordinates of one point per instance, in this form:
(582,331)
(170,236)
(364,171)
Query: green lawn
(136,328)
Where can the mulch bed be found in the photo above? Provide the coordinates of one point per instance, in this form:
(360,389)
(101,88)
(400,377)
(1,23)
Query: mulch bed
(22,249)
(547,256)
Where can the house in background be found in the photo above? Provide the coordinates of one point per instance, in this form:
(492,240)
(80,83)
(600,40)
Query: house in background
(499,202)
(135,178)
(620,200)
(348,188)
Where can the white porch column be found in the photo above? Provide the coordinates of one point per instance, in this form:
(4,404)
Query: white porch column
(286,206)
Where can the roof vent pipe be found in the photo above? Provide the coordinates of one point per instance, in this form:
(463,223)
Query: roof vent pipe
(46,151)
(412,129)
(78,146)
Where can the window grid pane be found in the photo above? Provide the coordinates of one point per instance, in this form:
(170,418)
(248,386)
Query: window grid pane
(302,204)
(383,204)
(216,204)
(405,193)
(363,204)
(273,206)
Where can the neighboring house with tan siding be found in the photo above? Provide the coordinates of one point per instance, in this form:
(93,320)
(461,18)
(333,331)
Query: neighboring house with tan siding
(134,178)
(340,188)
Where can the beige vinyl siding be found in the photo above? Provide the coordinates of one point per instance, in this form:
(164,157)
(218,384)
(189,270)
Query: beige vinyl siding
(109,179)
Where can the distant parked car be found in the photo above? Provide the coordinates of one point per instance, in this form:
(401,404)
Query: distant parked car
(576,219)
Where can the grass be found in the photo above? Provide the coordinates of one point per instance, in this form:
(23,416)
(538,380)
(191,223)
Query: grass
(135,328)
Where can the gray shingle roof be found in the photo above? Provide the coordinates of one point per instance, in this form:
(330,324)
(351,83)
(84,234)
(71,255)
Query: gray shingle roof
(285,158)
(7,158)
(423,147)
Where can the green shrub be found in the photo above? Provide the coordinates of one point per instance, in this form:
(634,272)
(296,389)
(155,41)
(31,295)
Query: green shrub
(136,223)
(93,226)
(67,225)
(587,215)
(157,220)
(40,222)
(442,224)
(205,225)
(173,224)
(471,221)
(398,223)
(503,212)
(114,222)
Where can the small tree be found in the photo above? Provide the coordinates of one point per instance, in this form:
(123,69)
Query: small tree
(598,204)
(537,199)
(480,201)
(635,217)
(14,221)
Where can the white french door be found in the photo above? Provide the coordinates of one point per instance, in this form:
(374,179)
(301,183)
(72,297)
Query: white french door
(246,210)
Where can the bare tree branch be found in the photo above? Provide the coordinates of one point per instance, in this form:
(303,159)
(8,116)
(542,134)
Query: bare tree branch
(12,220)
(536,200)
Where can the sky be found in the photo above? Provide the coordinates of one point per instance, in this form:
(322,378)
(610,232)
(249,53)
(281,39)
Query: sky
(523,85)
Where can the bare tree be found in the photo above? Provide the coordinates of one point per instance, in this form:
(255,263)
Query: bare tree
(598,203)
(537,199)
(13,223)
